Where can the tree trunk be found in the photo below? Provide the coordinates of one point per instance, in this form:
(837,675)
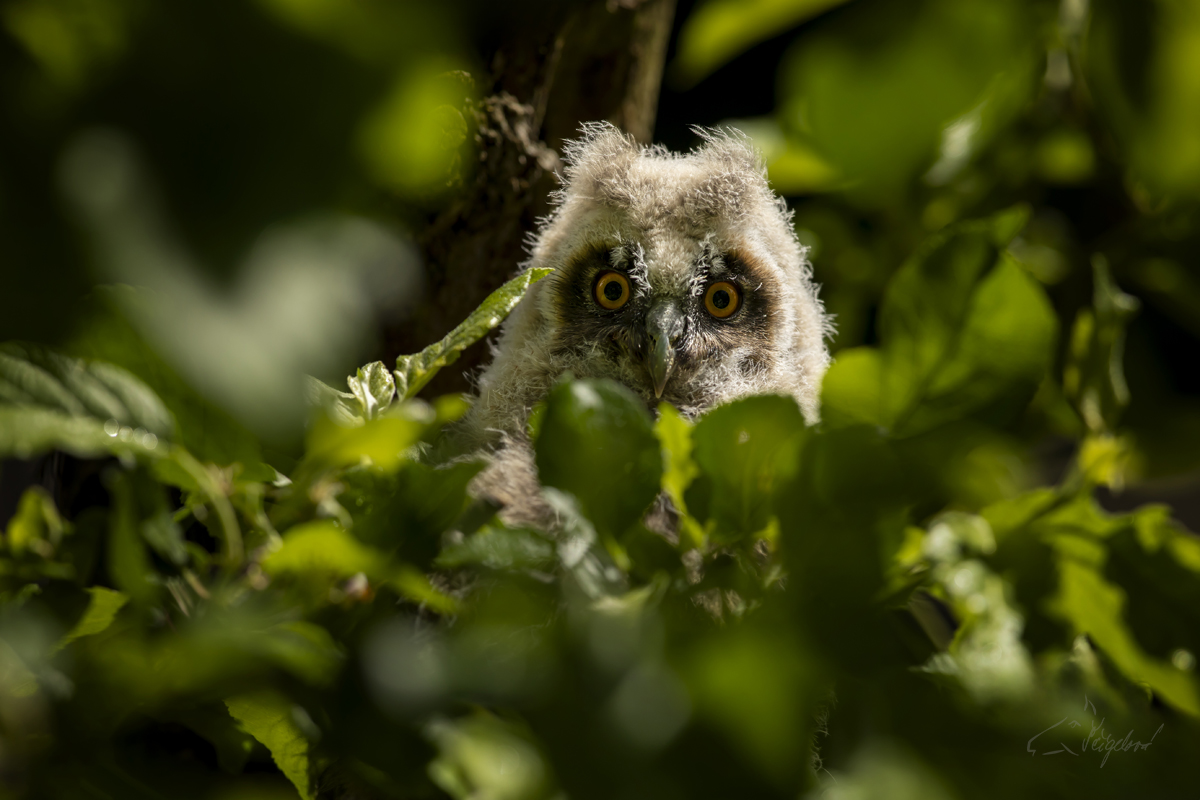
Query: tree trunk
(597,60)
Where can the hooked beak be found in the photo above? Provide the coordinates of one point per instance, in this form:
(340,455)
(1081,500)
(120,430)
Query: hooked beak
(664,325)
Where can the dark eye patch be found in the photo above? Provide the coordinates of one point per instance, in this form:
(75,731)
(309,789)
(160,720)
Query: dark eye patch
(749,327)
(583,321)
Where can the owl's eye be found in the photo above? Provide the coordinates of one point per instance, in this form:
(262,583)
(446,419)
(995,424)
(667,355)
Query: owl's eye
(612,290)
(722,299)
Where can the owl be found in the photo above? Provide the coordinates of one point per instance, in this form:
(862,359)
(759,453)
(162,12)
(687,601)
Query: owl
(677,275)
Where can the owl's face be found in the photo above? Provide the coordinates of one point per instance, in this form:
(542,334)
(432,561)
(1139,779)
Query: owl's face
(689,326)
(679,276)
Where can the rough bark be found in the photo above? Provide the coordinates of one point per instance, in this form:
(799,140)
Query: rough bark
(597,60)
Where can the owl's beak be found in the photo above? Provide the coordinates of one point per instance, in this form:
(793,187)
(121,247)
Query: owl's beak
(664,325)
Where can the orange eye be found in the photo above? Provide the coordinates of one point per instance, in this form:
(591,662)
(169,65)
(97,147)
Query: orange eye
(612,290)
(722,299)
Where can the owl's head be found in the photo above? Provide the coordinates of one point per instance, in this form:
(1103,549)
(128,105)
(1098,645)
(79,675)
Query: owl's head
(678,275)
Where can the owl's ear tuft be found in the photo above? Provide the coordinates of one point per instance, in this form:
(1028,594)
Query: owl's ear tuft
(731,147)
(597,163)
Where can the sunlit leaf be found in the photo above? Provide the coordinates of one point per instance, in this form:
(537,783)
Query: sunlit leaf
(414,371)
(1092,605)
(269,717)
(381,442)
(374,388)
(321,553)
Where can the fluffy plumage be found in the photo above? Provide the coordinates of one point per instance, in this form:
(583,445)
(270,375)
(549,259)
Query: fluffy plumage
(671,225)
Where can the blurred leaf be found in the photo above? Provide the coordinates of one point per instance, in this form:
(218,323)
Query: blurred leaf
(411,141)
(1092,605)
(758,688)
(1158,565)
(747,450)
(964,331)
(341,407)
(268,716)
(102,609)
(322,549)
(882,769)
(619,477)
(718,30)
(481,756)
(128,562)
(415,509)
(1094,376)
(321,553)
(49,401)
(381,442)
(36,526)
(227,736)
(500,548)
(207,431)
(26,432)
(874,90)
(413,372)
(1143,72)
(852,391)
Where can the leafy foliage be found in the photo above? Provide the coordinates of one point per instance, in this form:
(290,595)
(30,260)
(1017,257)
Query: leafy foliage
(927,594)
(373,599)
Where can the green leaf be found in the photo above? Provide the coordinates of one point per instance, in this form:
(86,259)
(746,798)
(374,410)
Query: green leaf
(746,450)
(382,442)
(597,442)
(999,356)
(128,561)
(36,526)
(374,388)
(1094,377)
(231,741)
(755,685)
(964,331)
(675,434)
(321,548)
(718,30)
(852,391)
(414,371)
(88,409)
(500,548)
(27,431)
(204,428)
(341,407)
(270,718)
(407,513)
(321,553)
(102,609)
(945,77)
(1094,606)
(34,376)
